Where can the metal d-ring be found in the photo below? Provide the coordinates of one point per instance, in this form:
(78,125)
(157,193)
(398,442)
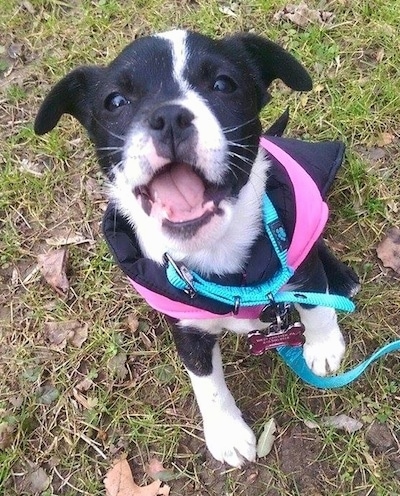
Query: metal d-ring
(236,305)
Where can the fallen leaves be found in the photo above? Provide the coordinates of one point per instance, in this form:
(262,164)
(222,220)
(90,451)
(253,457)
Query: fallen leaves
(341,422)
(119,482)
(31,167)
(230,10)
(157,471)
(53,268)
(385,139)
(31,479)
(68,238)
(388,250)
(7,434)
(53,264)
(72,332)
(117,365)
(302,15)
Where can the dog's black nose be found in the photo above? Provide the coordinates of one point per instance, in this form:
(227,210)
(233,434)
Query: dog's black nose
(171,124)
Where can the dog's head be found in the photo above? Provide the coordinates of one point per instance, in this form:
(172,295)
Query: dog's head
(174,119)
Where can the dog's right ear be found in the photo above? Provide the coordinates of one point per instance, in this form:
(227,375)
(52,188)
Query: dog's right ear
(71,95)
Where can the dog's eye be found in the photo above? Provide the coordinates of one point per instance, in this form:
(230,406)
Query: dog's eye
(224,84)
(114,101)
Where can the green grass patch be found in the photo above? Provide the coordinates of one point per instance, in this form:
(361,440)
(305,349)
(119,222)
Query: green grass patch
(138,399)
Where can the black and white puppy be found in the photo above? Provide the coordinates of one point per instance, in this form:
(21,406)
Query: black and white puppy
(175,122)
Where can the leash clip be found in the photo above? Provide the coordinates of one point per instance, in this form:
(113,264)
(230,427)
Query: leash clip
(280,331)
(184,273)
(275,312)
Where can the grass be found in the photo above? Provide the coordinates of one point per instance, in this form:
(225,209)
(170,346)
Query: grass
(150,410)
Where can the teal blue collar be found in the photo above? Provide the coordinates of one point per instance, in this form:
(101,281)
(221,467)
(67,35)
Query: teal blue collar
(250,296)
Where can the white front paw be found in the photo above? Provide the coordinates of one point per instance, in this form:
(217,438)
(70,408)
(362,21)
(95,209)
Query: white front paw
(230,439)
(324,355)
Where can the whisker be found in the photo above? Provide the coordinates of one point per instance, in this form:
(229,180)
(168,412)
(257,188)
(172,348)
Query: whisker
(101,148)
(258,176)
(233,172)
(245,147)
(238,141)
(111,153)
(122,138)
(235,128)
(246,160)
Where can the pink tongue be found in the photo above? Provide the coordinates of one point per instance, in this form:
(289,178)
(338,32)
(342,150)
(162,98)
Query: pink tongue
(178,194)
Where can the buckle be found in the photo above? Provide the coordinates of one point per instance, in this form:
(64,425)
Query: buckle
(184,273)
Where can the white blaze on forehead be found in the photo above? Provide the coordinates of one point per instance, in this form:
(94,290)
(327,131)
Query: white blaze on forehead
(177,39)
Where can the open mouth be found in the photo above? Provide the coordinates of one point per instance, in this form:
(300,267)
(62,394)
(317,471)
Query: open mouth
(180,195)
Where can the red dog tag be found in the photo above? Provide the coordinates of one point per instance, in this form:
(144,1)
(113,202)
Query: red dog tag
(260,342)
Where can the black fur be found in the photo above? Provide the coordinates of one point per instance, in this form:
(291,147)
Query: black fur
(194,348)
(250,62)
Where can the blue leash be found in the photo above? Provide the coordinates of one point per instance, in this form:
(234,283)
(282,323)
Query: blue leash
(183,279)
(295,360)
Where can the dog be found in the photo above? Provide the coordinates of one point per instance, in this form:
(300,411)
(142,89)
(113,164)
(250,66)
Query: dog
(175,123)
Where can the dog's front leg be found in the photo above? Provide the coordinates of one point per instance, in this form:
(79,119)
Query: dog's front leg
(228,437)
(324,347)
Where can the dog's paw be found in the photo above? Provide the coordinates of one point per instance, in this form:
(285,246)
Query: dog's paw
(230,440)
(324,355)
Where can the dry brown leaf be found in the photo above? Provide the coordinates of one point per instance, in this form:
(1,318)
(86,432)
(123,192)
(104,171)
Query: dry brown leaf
(385,139)
(302,15)
(63,239)
(119,482)
(146,341)
(156,470)
(31,479)
(389,250)
(154,467)
(78,336)
(93,189)
(7,434)
(85,384)
(133,322)
(251,478)
(53,265)
(342,422)
(60,333)
(117,364)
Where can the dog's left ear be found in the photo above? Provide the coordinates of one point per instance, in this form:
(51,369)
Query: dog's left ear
(274,62)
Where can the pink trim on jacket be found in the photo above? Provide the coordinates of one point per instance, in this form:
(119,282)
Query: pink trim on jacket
(310,208)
